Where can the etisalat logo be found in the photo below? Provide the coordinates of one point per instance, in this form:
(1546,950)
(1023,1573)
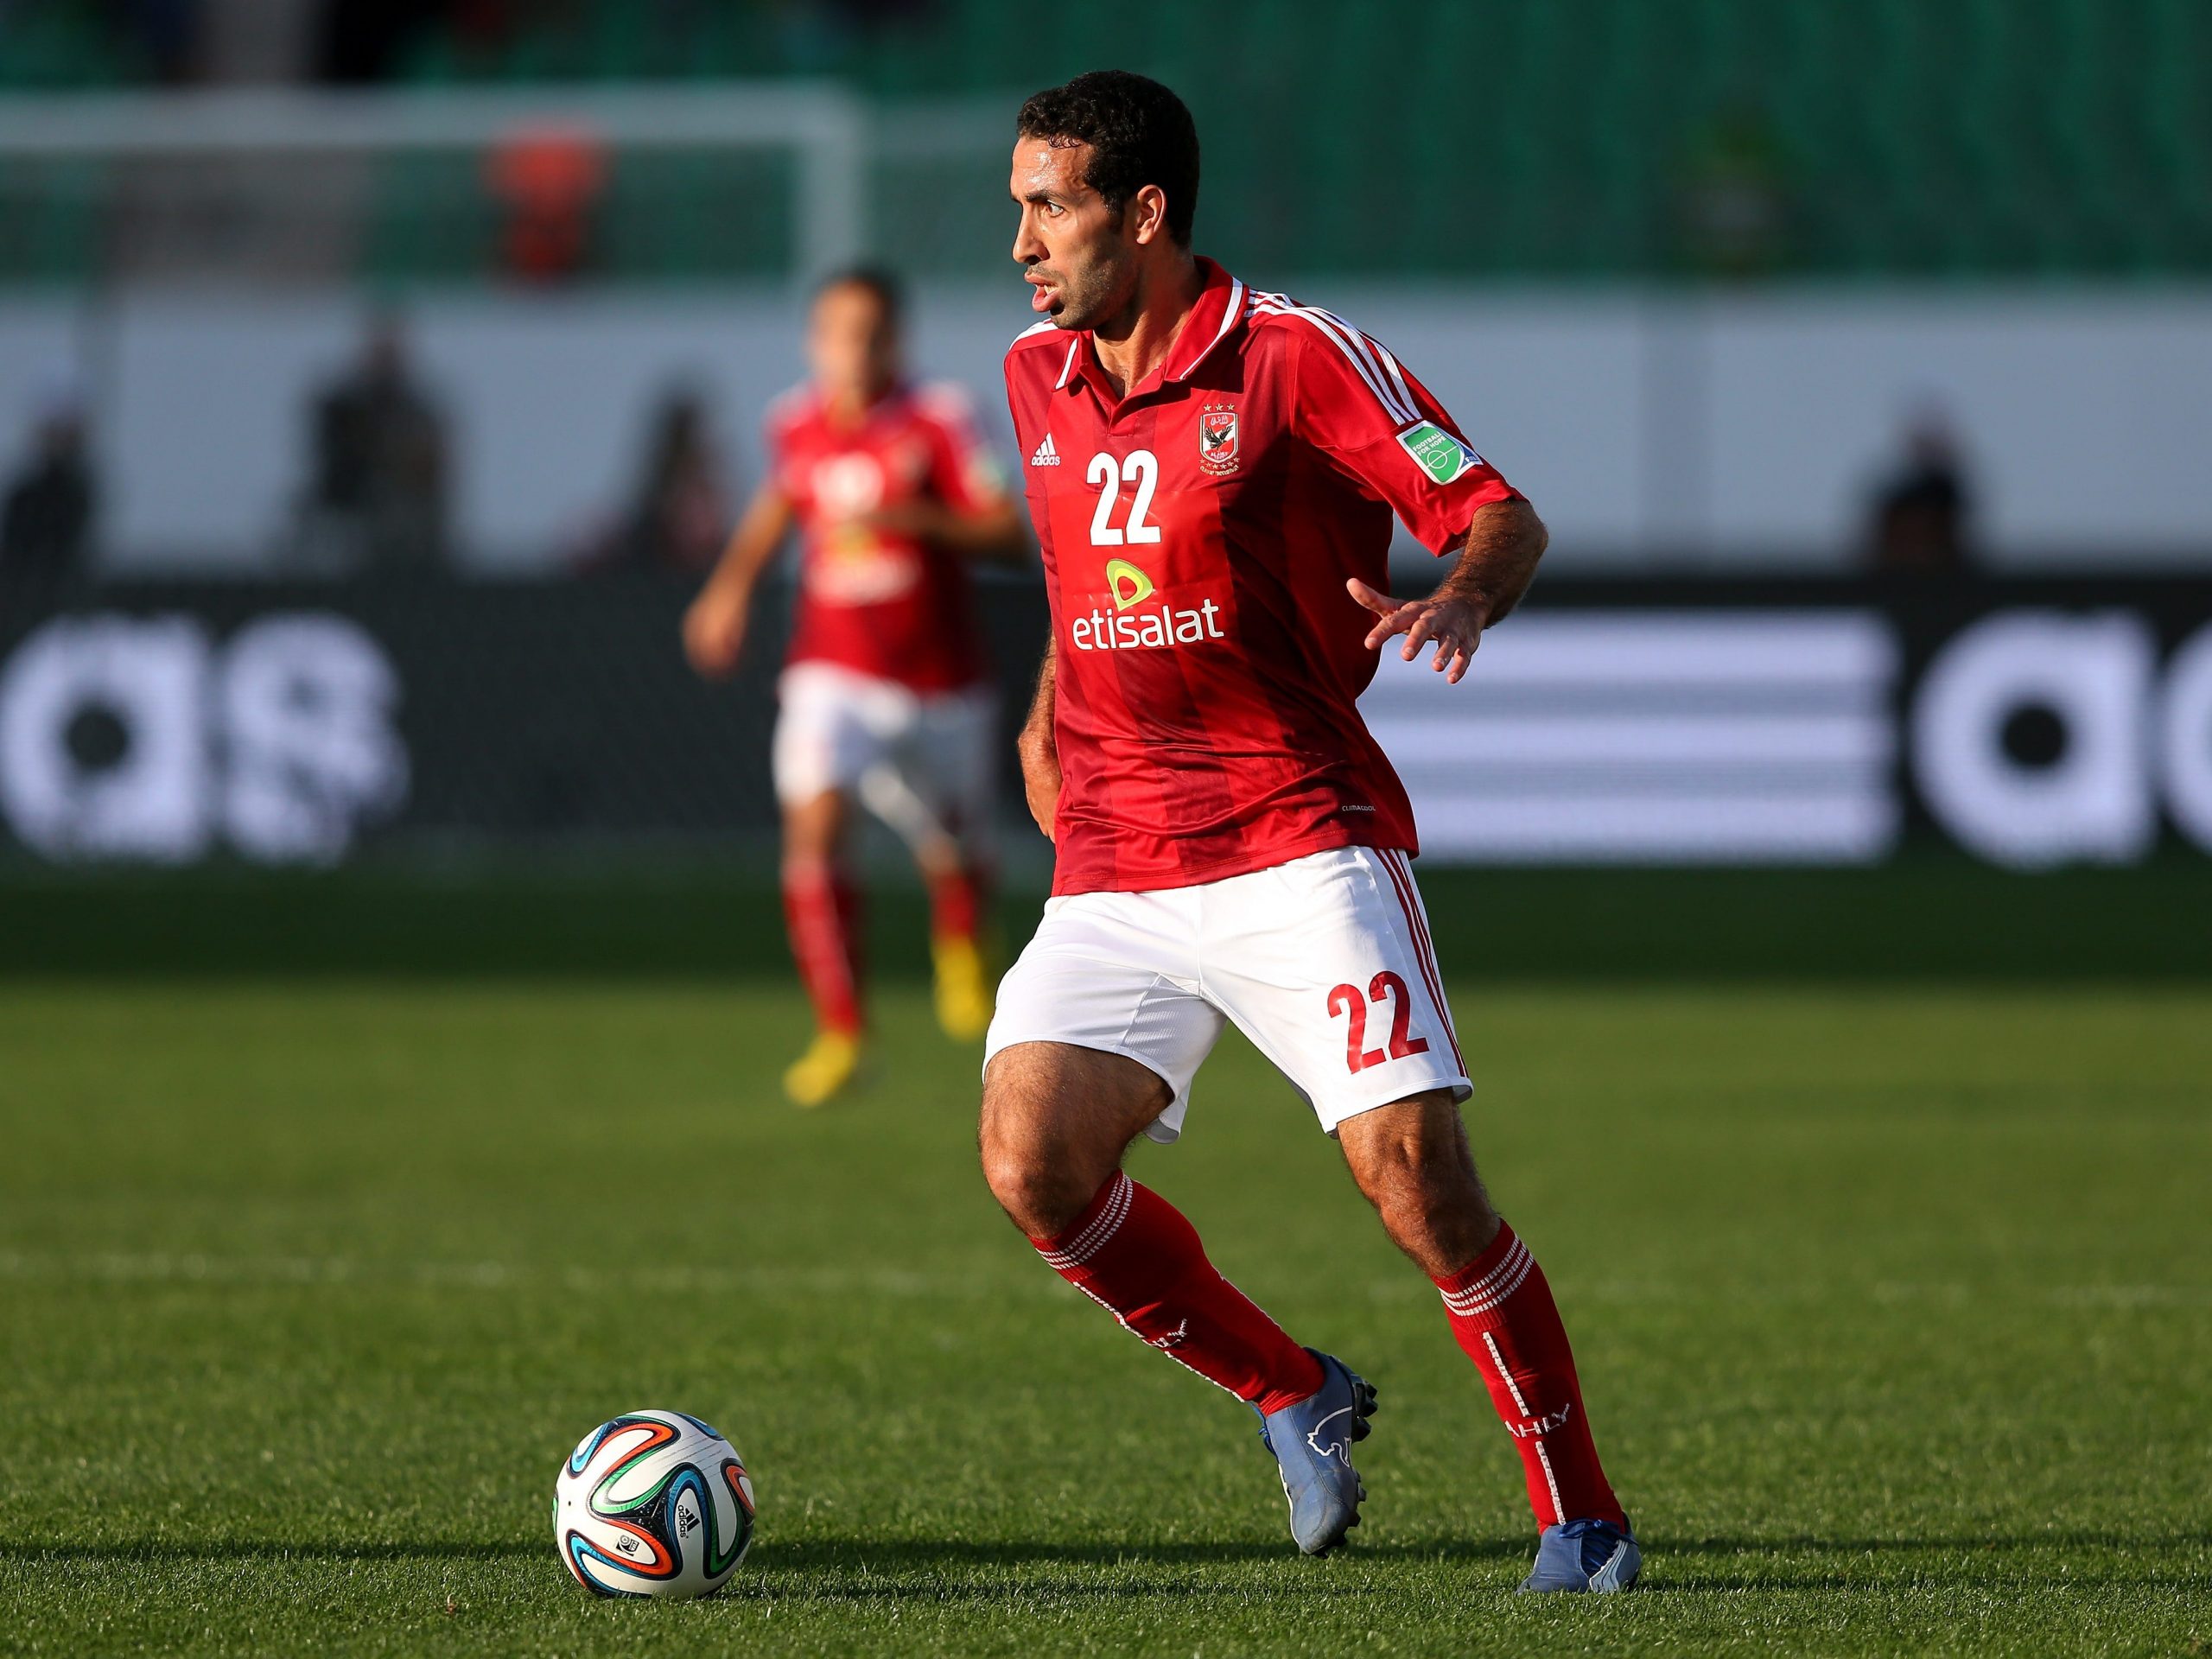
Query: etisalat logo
(1130,628)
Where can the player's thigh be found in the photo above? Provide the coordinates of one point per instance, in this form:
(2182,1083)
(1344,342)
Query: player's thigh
(943,762)
(1113,974)
(957,743)
(831,729)
(1325,963)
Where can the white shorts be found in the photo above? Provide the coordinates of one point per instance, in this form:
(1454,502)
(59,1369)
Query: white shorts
(1324,962)
(922,763)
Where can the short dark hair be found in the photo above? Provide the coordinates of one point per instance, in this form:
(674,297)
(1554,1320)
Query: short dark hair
(1139,132)
(890,293)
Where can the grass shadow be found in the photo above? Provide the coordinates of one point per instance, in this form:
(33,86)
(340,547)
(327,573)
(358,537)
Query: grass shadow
(1964,1544)
(983,1570)
(145,1550)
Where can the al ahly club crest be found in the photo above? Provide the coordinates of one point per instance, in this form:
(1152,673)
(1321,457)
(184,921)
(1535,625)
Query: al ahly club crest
(1218,438)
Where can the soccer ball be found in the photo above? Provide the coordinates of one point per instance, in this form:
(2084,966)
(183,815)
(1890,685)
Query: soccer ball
(654,1504)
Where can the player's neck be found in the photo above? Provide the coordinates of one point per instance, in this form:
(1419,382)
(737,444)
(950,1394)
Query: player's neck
(1134,344)
(850,406)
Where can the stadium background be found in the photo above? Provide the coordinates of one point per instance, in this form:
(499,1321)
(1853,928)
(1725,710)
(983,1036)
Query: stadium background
(313,857)
(1698,273)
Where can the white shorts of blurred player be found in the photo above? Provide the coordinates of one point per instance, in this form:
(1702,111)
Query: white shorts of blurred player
(1324,961)
(920,763)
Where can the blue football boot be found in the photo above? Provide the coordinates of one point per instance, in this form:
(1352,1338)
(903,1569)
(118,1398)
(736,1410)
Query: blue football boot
(1313,1441)
(1584,1556)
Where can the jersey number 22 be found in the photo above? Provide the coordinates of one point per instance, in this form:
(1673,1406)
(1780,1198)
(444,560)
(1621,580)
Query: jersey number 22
(1139,469)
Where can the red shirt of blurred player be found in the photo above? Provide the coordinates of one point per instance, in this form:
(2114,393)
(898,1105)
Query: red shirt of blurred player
(893,494)
(875,596)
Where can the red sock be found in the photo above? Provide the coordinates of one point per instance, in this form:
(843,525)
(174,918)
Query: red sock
(1132,1252)
(822,910)
(1503,1313)
(956,904)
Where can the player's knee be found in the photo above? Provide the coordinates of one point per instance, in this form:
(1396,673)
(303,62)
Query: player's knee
(1056,1119)
(1036,1192)
(1042,1183)
(812,832)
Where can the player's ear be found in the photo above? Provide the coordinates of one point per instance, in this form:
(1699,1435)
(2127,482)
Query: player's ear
(1150,206)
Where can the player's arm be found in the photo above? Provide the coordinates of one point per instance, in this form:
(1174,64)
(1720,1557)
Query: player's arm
(1380,427)
(1497,564)
(714,628)
(1041,755)
(990,528)
(966,508)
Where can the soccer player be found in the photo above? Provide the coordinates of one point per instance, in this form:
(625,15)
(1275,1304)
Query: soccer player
(1212,472)
(882,693)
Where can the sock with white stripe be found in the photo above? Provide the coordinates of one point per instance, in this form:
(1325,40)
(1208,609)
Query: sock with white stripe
(1132,1252)
(1503,1313)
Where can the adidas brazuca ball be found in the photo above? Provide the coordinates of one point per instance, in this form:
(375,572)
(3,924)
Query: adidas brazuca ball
(654,1504)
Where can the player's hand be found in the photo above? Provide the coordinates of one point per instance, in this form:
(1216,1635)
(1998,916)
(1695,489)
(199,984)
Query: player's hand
(1040,778)
(918,520)
(1454,625)
(714,630)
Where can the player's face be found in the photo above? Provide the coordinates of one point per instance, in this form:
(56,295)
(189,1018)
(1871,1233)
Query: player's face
(1079,258)
(851,344)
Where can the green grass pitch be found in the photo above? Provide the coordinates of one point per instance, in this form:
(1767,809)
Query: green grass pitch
(1894,1308)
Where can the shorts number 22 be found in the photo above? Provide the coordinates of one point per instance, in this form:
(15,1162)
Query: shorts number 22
(1346,999)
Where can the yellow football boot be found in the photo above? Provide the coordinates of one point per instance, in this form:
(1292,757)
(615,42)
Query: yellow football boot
(964,988)
(827,1067)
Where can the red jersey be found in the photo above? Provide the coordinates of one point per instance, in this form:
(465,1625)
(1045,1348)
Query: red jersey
(894,608)
(1197,535)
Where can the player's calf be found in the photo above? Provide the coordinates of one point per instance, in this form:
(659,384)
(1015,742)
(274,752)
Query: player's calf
(1412,1160)
(1054,1115)
(1134,1252)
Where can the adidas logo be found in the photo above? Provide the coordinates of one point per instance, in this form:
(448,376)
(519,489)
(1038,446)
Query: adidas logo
(1046,456)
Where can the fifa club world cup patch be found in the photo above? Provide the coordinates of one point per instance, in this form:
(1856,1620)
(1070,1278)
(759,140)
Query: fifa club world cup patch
(1439,455)
(1217,439)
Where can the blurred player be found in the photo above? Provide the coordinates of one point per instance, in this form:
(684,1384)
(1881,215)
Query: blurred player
(882,693)
(1212,472)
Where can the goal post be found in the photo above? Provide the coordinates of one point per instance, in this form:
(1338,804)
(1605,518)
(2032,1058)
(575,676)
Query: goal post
(306,155)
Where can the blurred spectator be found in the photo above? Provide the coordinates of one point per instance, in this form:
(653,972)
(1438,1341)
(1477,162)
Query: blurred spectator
(549,180)
(255,42)
(679,515)
(378,497)
(362,40)
(1921,510)
(46,524)
(166,31)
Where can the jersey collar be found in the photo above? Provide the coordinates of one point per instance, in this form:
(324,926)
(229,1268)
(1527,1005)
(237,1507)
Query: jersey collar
(894,398)
(1215,316)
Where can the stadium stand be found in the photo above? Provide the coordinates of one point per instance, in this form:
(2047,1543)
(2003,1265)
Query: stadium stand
(2022,138)
(65,46)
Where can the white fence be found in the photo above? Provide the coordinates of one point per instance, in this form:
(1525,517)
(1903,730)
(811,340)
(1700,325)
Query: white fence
(2083,414)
